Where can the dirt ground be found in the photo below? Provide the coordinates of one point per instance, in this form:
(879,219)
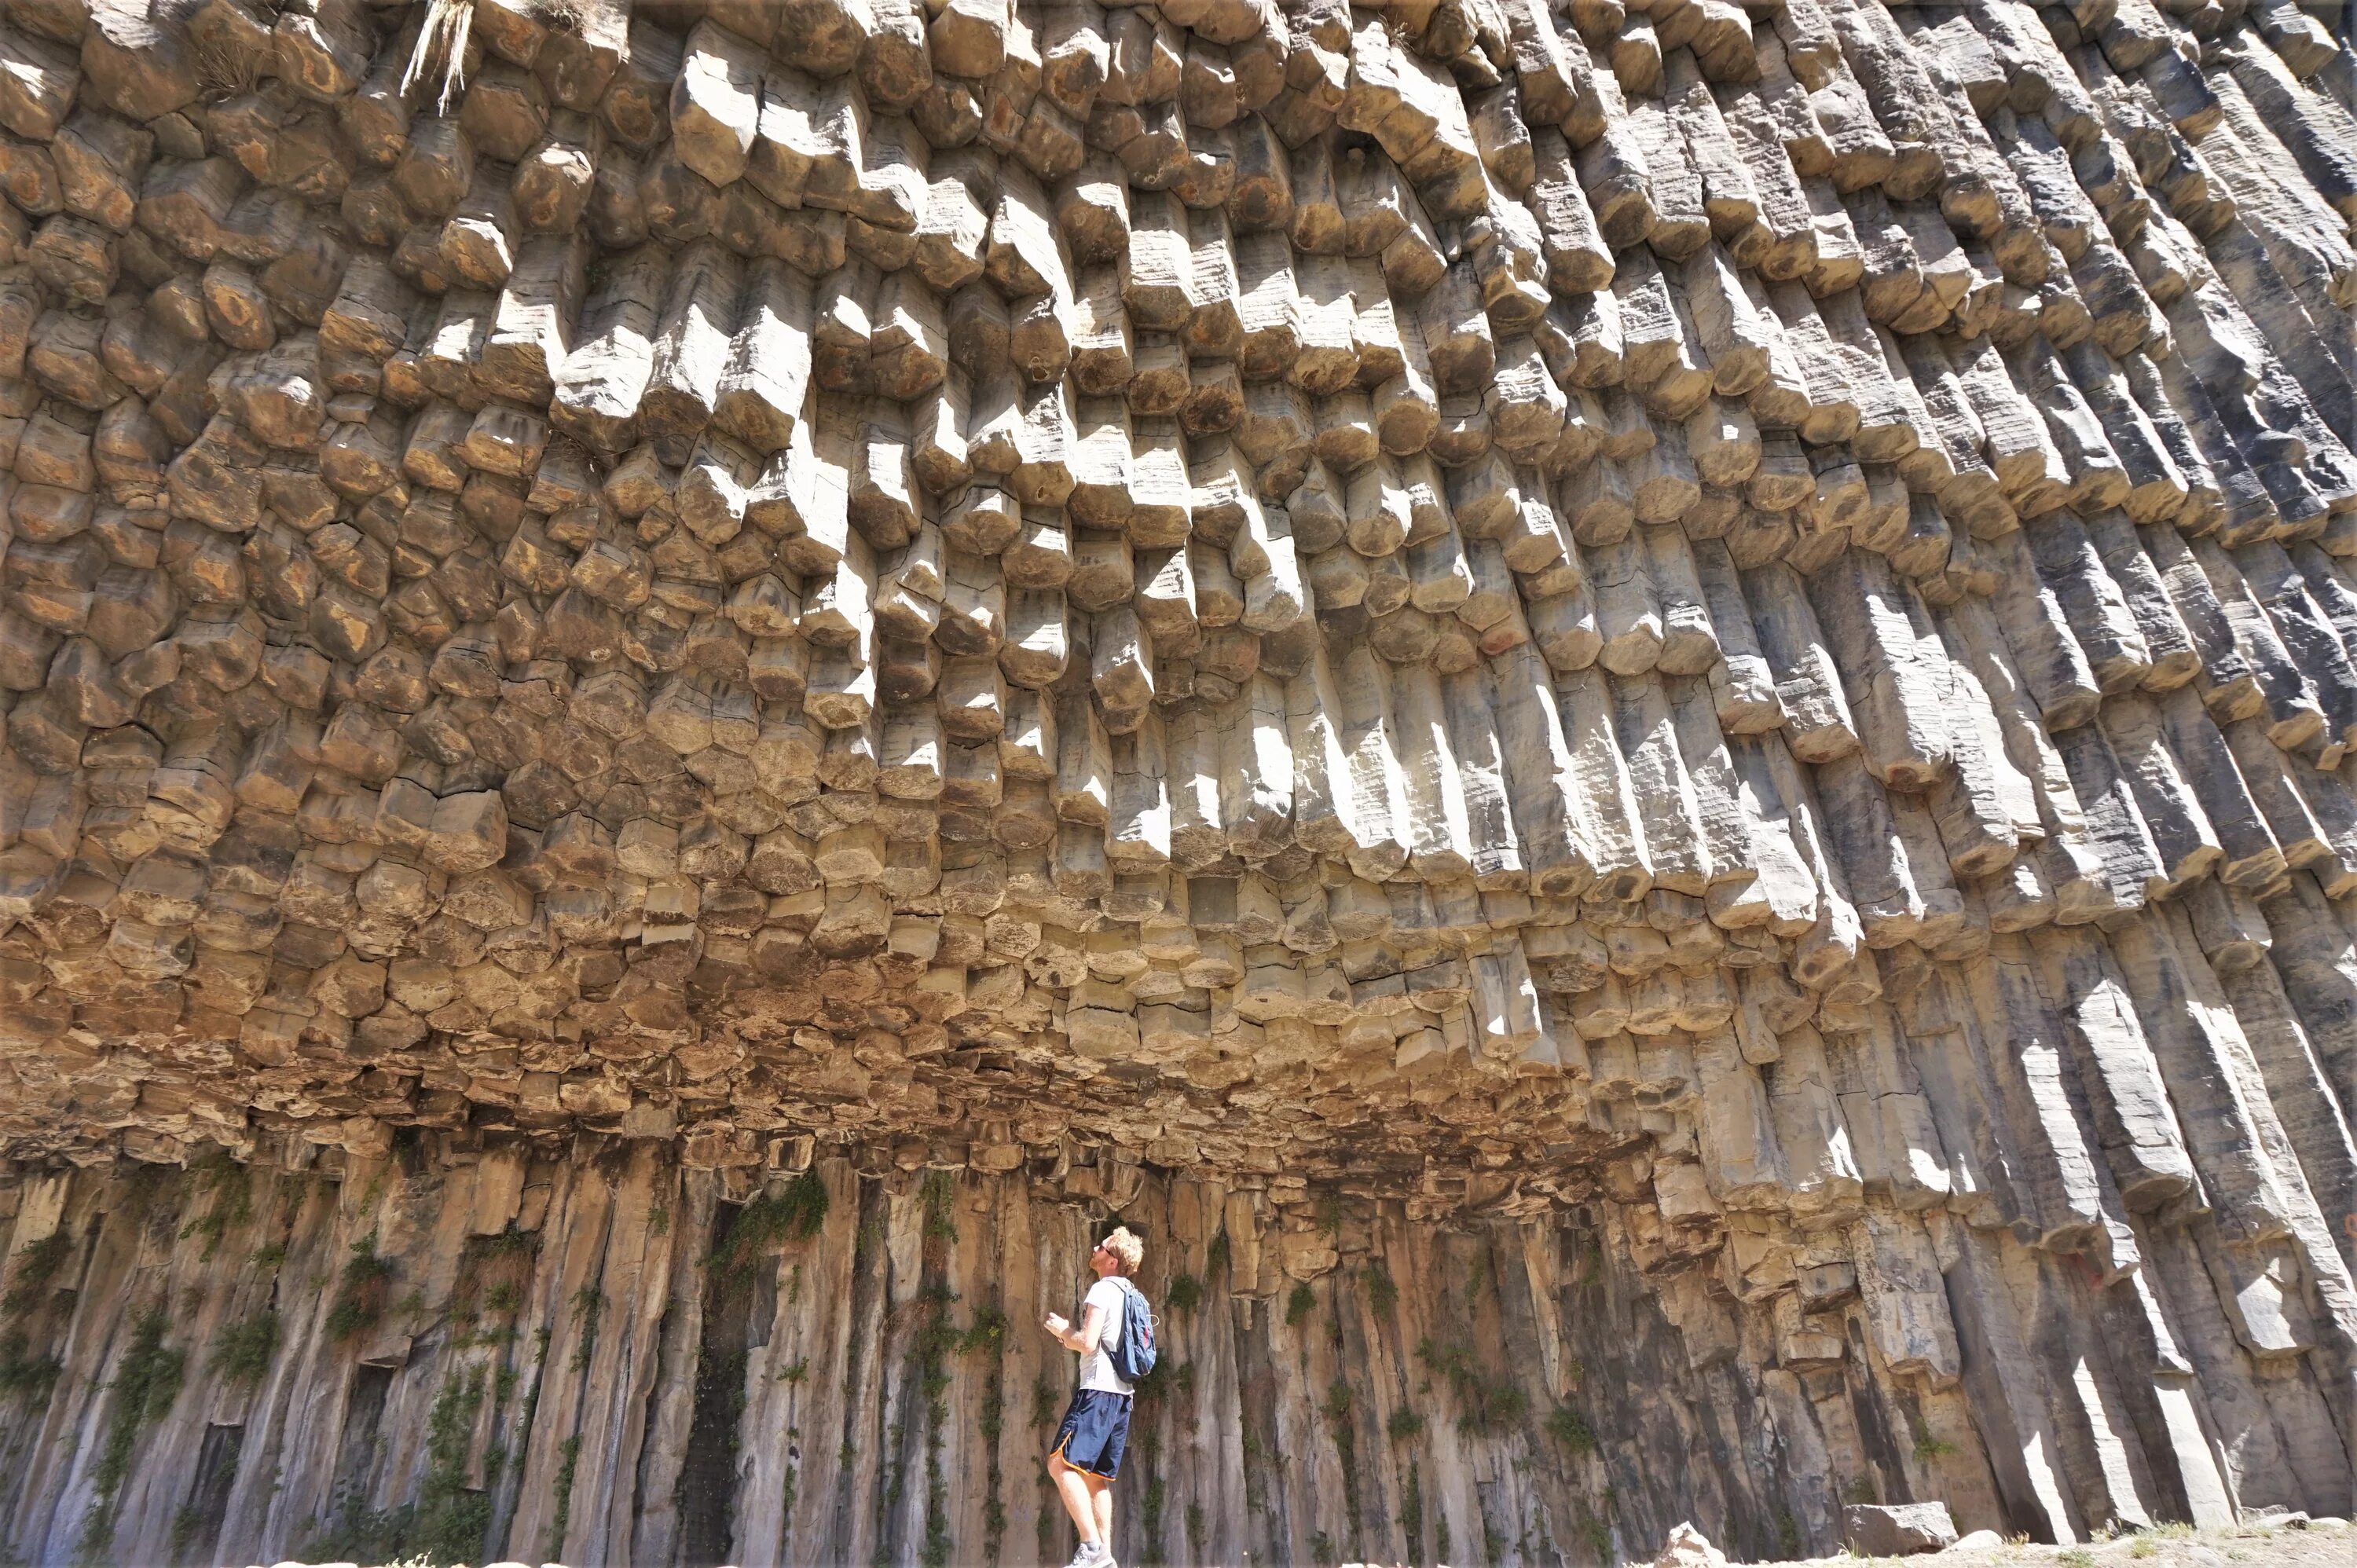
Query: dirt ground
(2171,1547)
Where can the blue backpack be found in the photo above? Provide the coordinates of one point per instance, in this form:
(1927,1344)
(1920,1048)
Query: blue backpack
(1133,1355)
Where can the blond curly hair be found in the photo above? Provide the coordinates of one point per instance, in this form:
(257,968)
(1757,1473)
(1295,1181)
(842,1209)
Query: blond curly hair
(1127,1247)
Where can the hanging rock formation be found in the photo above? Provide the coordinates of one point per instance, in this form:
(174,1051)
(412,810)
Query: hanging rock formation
(1637,715)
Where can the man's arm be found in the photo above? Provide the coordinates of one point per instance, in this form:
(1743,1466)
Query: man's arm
(1084,1339)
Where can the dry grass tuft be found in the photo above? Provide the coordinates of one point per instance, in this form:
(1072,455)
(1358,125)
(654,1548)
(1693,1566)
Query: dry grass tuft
(223,70)
(441,51)
(570,18)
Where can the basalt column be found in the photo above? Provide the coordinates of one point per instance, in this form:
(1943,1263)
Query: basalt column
(1637,718)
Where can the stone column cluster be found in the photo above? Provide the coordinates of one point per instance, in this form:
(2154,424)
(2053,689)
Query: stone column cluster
(1725,632)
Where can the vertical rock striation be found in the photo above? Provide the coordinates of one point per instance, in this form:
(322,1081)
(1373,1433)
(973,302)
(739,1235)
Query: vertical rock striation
(1639,715)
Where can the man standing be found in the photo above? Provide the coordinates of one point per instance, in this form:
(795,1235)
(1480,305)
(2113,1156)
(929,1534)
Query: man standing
(1086,1456)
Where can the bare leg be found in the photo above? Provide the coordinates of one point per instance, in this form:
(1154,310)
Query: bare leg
(1072,1487)
(1101,1496)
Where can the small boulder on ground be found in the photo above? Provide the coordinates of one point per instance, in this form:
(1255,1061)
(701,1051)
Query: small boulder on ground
(1689,1548)
(1903,1530)
(1980,1541)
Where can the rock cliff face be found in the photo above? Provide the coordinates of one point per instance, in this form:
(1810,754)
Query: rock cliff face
(1637,717)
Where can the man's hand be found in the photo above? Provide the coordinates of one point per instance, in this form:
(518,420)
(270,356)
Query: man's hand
(1057,1324)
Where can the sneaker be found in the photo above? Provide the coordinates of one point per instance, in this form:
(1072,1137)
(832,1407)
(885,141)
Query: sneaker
(1092,1555)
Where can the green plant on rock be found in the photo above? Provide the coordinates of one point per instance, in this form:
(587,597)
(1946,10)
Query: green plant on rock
(1928,1446)
(568,1456)
(1299,1305)
(588,1308)
(36,1265)
(187,1524)
(506,1242)
(936,1341)
(361,1300)
(1151,1505)
(242,1350)
(1043,1405)
(23,1375)
(451,1518)
(894,1479)
(1337,1411)
(1184,1295)
(229,1187)
(994,1522)
(989,1336)
(1257,1456)
(1403,1424)
(1383,1291)
(361,1535)
(1483,1403)
(147,1380)
(939,1197)
(1570,1428)
(768,1223)
(986,1335)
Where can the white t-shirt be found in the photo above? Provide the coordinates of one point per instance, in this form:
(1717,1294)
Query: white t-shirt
(1096,1366)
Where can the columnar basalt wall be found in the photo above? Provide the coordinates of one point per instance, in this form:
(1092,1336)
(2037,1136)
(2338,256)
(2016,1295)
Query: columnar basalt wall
(1637,715)
(599,1355)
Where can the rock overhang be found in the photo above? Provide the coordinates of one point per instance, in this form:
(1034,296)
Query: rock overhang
(1461,602)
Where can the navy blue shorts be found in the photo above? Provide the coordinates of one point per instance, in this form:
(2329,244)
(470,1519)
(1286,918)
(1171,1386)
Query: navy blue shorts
(1096,1431)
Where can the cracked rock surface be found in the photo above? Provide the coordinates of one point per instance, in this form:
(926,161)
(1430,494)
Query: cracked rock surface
(1720,633)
